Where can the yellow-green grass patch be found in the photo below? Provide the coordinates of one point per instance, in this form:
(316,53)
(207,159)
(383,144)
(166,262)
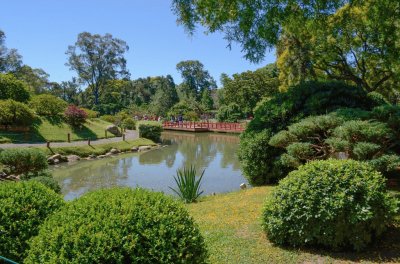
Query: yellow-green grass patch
(231,225)
(56,130)
(100,149)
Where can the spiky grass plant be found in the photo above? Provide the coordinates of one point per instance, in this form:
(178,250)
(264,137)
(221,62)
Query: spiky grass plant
(188,186)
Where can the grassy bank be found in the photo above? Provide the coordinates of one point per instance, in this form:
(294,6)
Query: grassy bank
(56,130)
(100,149)
(231,225)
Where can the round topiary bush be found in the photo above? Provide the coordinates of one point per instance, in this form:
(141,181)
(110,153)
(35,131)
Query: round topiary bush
(119,226)
(332,203)
(23,208)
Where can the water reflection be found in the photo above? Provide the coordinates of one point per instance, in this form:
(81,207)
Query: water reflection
(216,153)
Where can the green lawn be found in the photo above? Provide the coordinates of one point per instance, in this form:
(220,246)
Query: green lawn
(232,229)
(55,130)
(84,151)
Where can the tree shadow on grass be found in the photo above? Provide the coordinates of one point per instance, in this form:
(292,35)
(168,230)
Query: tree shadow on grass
(383,250)
(84,132)
(31,136)
(55,120)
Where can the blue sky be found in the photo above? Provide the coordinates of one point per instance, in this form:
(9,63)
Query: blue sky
(41,30)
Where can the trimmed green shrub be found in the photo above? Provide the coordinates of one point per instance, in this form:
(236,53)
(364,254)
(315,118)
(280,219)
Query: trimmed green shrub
(259,164)
(119,225)
(108,118)
(333,203)
(12,88)
(329,136)
(129,123)
(23,208)
(48,105)
(49,182)
(23,160)
(15,114)
(150,131)
(90,113)
(229,113)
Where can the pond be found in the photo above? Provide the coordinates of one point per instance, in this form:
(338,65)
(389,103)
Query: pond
(215,153)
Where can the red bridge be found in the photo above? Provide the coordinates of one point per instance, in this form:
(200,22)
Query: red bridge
(204,127)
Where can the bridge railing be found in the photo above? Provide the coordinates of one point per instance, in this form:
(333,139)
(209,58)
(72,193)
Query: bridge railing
(224,126)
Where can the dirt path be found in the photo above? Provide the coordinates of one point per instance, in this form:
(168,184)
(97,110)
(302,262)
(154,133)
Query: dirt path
(129,135)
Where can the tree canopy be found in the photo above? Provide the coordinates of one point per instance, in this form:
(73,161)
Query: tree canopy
(96,59)
(246,89)
(195,79)
(349,40)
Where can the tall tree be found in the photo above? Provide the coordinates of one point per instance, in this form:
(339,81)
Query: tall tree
(97,59)
(10,59)
(165,96)
(37,79)
(206,100)
(195,79)
(246,89)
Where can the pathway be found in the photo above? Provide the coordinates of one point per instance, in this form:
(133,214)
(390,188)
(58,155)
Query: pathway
(129,135)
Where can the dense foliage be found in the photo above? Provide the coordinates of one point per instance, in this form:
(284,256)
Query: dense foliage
(97,59)
(48,105)
(332,203)
(258,159)
(246,89)
(12,88)
(15,114)
(119,226)
(49,182)
(150,130)
(90,113)
(23,160)
(230,113)
(275,114)
(23,208)
(352,41)
(309,98)
(75,116)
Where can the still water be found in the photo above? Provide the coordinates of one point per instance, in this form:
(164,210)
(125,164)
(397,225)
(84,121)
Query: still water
(155,169)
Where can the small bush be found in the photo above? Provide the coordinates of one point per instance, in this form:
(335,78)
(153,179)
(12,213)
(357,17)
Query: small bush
(15,114)
(75,116)
(108,118)
(334,203)
(23,160)
(48,105)
(258,159)
(119,226)
(12,88)
(23,208)
(150,131)
(129,123)
(49,182)
(90,113)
